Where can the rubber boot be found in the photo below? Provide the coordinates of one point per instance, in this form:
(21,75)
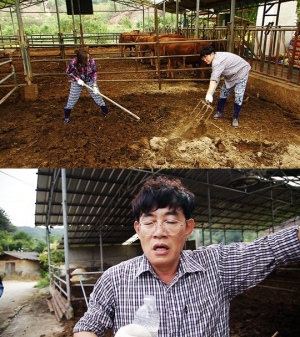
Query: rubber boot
(220,108)
(236,113)
(67,115)
(104,109)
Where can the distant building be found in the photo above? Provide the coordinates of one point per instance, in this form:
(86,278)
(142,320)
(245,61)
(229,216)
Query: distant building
(19,263)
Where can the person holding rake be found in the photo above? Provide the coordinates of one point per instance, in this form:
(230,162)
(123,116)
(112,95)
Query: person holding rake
(83,71)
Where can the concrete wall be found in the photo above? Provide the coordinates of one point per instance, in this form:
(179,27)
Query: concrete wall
(20,267)
(286,95)
(112,255)
(90,256)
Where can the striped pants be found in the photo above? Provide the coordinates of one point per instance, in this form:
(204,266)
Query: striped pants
(75,91)
(239,90)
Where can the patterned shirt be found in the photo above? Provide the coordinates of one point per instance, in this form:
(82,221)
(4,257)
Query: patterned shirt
(231,66)
(86,73)
(197,301)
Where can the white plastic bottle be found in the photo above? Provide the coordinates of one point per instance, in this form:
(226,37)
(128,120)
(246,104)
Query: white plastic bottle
(148,316)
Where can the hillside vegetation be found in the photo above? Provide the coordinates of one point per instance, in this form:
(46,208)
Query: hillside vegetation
(107,17)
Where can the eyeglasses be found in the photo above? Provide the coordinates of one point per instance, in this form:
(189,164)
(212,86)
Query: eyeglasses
(171,227)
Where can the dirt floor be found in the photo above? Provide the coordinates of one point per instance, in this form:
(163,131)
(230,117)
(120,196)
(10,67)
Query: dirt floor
(268,310)
(24,311)
(168,135)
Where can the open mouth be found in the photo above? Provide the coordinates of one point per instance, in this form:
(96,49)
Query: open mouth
(160,248)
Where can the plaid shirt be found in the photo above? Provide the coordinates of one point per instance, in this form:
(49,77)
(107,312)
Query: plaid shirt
(86,73)
(231,66)
(197,301)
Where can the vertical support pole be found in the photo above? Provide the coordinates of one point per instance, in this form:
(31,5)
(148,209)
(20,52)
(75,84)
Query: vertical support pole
(24,51)
(197,18)
(157,48)
(61,45)
(48,251)
(231,36)
(209,207)
(73,22)
(101,250)
(65,223)
(164,15)
(143,18)
(197,237)
(12,21)
(177,6)
(272,210)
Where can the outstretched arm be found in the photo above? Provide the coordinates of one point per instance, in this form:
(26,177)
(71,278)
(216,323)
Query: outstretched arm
(84,334)
(210,91)
(212,87)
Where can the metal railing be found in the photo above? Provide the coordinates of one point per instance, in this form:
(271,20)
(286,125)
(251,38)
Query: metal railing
(10,76)
(267,49)
(85,280)
(271,51)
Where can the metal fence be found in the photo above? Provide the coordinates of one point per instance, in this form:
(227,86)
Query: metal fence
(271,51)
(10,79)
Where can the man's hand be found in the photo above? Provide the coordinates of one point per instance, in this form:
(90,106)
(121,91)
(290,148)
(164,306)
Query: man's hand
(133,330)
(209,98)
(80,82)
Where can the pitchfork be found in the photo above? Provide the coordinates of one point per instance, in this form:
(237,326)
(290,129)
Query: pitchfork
(205,109)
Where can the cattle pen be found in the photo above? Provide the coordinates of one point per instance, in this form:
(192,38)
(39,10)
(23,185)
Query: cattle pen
(269,50)
(164,105)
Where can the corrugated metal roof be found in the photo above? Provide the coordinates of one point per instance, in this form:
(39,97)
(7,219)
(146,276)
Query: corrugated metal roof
(23,3)
(170,5)
(216,5)
(100,199)
(23,255)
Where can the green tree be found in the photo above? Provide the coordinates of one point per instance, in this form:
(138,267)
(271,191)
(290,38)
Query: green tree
(5,223)
(126,22)
(56,257)
(40,246)
(23,241)
(6,241)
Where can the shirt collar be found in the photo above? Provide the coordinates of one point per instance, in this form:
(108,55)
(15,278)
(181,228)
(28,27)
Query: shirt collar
(187,264)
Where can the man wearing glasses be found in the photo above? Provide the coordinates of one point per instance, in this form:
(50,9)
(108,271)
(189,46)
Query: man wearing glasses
(235,71)
(192,289)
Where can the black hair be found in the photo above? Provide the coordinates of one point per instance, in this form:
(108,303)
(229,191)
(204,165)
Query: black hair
(82,57)
(206,50)
(160,193)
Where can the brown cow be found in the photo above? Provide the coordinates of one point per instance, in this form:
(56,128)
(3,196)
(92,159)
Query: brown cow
(151,47)
(163,46)
(142,49)
(130,38)
(190,49)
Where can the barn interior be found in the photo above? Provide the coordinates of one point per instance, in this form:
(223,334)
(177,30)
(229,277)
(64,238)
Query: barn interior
(265,43)
(93,205)
(94,208)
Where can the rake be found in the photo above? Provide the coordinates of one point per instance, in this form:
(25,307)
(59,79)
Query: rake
(109,99)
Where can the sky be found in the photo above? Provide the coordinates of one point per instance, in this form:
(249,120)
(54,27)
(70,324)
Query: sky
(18,195)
